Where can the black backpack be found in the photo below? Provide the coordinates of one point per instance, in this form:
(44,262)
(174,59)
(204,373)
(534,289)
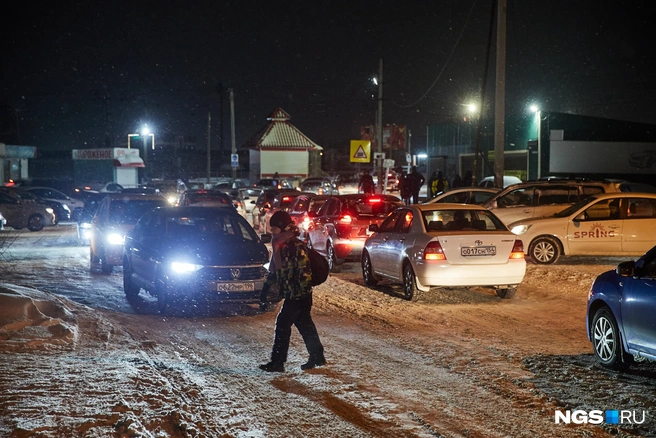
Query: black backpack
(318,266)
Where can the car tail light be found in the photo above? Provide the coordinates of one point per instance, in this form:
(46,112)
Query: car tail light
(346,219)
(374,200)
(518,250)
(306,223)
(434,251)
(285,198)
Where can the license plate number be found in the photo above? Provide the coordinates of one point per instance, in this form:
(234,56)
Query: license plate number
(468,251)
(235,287)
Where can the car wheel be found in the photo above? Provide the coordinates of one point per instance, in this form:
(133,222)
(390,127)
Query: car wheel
(544,250)
(130,289)
(506,292)
(607,342)
(367,271)
(332,259)
(35,222)
(410,289)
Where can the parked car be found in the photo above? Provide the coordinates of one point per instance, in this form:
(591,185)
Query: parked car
(116,215)
(609,224)
(205,198)
(620,313)
(104,187)
(281,201)
(544,198)
(74,206)
(60,210)
(194,252)
(303,211)
(319,186)
(508,180)
(28,214)
(263,204)
(465,195)
(341,225)
(445,245)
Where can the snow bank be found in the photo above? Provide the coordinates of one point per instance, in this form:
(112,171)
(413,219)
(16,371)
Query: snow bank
(30,318)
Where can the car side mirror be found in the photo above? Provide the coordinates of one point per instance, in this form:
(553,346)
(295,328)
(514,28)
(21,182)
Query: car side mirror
(265,238)
(373,227)
(626,269)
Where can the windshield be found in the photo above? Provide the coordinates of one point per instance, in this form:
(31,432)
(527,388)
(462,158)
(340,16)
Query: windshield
(462,220)
(129,212)
(574,207)
(209,227)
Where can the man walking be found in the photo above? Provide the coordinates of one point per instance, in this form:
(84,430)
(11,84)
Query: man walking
(290,270)
(415,180)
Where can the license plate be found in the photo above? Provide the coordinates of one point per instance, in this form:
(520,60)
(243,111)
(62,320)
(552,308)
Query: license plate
(235,287)
(468,251)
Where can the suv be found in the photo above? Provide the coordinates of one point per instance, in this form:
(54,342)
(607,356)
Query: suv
(116,215)
(341,226)
(544,198)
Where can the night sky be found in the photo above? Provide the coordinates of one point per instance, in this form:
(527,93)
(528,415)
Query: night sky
(81,74)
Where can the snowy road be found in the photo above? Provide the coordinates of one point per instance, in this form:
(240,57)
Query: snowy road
(457,363)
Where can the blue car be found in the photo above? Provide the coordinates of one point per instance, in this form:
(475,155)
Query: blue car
(620,318)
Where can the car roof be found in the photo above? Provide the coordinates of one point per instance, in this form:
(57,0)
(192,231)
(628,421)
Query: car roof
(624,195)
(447,206)
(196,210)
(133,196)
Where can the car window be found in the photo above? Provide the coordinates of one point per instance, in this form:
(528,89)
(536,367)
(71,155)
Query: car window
(316,204)
(641,208)
(605,209)
(521,196)
(371,206)
(556,195)
(389,222)
(591,190)
(205,198)
(405,221)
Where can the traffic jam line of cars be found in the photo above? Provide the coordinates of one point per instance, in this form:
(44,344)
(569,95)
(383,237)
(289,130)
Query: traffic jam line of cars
(203,247)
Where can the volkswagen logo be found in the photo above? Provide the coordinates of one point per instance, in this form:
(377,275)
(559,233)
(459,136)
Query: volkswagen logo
(235,274)
(478,242)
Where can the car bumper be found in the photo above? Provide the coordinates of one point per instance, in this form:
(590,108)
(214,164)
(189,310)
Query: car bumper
(243,292)
(433,273)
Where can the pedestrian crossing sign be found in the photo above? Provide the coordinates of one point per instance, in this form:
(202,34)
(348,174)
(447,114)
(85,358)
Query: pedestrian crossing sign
(360,151)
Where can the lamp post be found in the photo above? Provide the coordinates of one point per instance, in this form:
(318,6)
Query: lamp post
(145,133)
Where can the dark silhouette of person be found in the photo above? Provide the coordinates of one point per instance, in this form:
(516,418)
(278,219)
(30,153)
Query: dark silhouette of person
(457,182)
(367,185)
(415,180)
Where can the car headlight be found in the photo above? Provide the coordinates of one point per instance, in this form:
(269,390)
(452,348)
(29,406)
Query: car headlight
(182,268)
(116,239)
(520,229)
(85,225)
(50,210)
(172,200)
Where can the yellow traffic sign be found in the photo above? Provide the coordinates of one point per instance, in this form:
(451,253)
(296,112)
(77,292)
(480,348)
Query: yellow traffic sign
(360,151)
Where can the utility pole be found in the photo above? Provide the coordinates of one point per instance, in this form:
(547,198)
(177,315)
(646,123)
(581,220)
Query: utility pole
(379,128)
(209,152)
(232,129)
(500,96)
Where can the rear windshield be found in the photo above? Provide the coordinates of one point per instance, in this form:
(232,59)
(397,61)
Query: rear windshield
(208,199)
(371,206)
(129,212)
(462,220)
